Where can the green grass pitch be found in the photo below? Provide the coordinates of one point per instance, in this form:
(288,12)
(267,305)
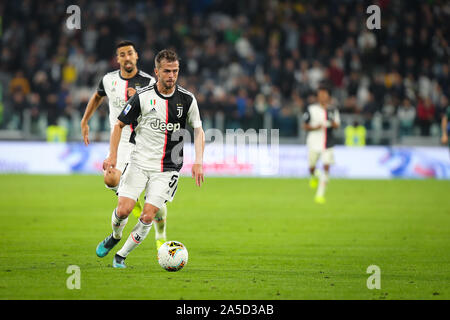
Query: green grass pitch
(247,239)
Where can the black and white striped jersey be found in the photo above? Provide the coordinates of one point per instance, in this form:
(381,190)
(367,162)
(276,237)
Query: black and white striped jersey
(315,114)
(161,120)
(115,88)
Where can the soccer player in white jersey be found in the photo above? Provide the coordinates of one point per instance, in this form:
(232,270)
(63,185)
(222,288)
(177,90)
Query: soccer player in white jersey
(162,111)
(119,86)
(320,119)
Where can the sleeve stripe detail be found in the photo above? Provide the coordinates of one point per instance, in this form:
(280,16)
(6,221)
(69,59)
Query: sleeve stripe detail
(144,89)
(142,73)
(185,91)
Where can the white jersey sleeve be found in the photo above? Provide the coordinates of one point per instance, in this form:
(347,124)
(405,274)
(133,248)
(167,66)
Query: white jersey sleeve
(193,115)
(337,118)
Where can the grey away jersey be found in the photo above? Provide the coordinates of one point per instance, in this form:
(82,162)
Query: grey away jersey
(115,87)
(159,134)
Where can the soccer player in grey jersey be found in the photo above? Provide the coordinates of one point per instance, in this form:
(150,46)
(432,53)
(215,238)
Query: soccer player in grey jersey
(161,111)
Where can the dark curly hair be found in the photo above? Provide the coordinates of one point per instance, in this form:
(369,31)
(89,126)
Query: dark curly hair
(167,54)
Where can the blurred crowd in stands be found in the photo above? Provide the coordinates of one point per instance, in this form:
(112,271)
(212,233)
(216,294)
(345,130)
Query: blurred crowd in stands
(242,59)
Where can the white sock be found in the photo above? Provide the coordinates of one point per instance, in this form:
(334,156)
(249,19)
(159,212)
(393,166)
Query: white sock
(323,180)
(118,224)
(317,173)
(137,235)
(160,223)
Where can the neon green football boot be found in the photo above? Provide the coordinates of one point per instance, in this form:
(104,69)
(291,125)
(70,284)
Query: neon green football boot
(314,182)
(159,243)
(319,199)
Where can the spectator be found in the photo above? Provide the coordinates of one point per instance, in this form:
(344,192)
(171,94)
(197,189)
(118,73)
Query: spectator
(378,89)
(406,115)
(425,115)
(260,109)
(310,40)
(276,50)
(20,104)
(35,110)
(335,74)
(315,75)
(19,83)
(369,109)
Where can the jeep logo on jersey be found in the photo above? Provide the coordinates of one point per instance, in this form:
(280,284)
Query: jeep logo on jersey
(159,125)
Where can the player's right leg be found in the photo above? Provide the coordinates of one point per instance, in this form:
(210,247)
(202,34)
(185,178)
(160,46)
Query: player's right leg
(119,220)
(313,157)
(132,183)
(328,160)
(137,235)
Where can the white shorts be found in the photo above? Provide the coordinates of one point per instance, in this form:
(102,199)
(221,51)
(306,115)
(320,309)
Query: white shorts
(327,157)
(160,187)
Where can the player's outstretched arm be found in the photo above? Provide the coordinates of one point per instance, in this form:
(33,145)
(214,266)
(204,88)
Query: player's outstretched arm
(309,127)
(336,123)
(116,133)
(92,105)
(199,145)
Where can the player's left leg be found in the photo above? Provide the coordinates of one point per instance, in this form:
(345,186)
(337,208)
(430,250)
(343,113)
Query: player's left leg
(118,221)
(132,182)
(161,188)
(323,180)
(164,186)
(327,159)
(137,235)
(313,157)
(160,222)
(160,226)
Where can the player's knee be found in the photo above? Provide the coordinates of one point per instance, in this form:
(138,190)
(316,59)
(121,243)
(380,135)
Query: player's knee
(148,214)
(123,212)
(124,209)
(161,214)
(111,181)
(112,178)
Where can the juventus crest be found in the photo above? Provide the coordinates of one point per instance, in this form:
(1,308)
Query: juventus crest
(179,111)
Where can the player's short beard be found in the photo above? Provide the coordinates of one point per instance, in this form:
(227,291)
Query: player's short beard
(167,86)
(130,68)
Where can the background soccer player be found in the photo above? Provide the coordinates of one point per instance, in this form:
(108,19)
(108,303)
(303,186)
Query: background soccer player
(319,120)
(163,109)
(119,86)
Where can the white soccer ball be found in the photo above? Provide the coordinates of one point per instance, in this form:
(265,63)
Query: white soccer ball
(172,256)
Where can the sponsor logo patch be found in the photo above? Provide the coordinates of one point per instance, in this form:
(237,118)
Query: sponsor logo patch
(127,109)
